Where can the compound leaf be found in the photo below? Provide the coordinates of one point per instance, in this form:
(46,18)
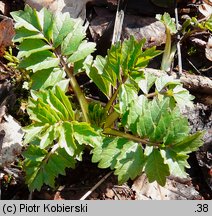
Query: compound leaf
(27,19)
(46,19)
(95,73)
(30,46)
(125,156)
(64,99)
(84,49)
(49,111)
(85,134)
(127,94)
(176,162)
(72,41)
(43,167)
(62,26)
(66,138)
(46,78)
(189,144)
(130,162)
(155,168)
(40,61)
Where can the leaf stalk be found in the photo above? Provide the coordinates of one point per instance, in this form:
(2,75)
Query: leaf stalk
(77,90)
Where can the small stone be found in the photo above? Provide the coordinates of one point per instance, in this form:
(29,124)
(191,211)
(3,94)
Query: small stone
(109,193)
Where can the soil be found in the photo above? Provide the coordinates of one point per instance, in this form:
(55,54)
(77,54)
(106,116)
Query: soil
(77,182)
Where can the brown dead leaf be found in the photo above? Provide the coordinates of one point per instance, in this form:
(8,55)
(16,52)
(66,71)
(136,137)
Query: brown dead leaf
(206,8)
(7,32)
(175,189)
(208,2)
(208,49)
(75,8)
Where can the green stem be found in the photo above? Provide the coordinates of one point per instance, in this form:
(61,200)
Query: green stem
(113,132)
(112,99)
(151,95)
(166,64)
(77,90)
(53,150)
(111,119)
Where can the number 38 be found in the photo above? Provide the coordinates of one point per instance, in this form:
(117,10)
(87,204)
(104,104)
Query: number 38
(202,208)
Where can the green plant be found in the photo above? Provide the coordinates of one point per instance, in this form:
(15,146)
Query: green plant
(192,25)
(170,49)
(137,130)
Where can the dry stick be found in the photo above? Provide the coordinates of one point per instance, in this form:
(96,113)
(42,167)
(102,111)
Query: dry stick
(116,194)
(117,34)
(96,186)
(118,24)
(193,66)
(178,42)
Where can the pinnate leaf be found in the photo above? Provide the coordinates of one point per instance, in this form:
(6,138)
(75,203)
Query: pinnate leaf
(85,134)
(74,38)
(176,162)
(84,49)
(53,119)
(28,19)
(127,94)
(30,46)
(155,168)
(43,167)
(66,139)
(95,73)
(124,59)
(40,61)
(189,144)
(125,156)
(62,26)
(47,110)
(47,78)
(130,162)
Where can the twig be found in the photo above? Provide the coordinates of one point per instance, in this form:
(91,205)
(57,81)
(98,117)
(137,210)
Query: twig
(116,194)
(121,187)
(193,66)
(178,42)
(118,23)
(96,186)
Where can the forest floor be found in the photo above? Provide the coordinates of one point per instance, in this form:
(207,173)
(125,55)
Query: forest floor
(197,71)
